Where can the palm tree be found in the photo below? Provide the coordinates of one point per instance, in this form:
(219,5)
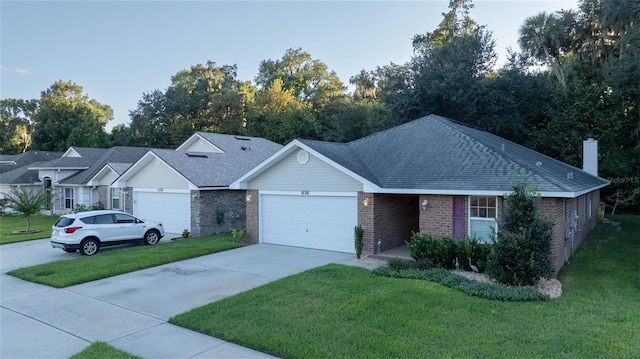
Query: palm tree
(544,37)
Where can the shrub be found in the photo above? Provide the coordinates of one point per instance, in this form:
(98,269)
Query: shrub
(520,255)
(470,287)
(400,263)
(238,235)
(442,252)
(358,235)
(185,233)
(423,245)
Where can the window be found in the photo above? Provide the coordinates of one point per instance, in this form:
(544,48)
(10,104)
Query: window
(483,214)
(123,218)
(47,190)
(115,198)
(67,198)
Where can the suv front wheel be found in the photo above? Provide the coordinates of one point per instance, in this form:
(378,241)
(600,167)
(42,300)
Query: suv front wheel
(152,237)
(89,247)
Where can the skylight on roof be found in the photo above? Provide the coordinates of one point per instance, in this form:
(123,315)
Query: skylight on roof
(197,155)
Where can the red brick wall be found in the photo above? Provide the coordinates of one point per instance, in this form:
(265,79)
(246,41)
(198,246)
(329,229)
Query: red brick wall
(558,211)
(396,217)
(253,224)
(387,218)
(437,219)
(366,220)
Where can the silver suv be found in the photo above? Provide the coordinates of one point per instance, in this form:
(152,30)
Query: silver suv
(88,231)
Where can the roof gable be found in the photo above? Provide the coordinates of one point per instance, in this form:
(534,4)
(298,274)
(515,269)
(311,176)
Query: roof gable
(211,169)
(198,143)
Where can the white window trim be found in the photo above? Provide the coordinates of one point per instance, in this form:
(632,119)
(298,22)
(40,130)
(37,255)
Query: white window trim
(63,197)
(470,218)
(112,197)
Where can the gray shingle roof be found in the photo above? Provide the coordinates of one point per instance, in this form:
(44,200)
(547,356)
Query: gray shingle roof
(27,158)
(205,169)
(91,160)
(436,153)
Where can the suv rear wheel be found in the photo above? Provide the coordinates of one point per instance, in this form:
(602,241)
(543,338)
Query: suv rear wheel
(89,246)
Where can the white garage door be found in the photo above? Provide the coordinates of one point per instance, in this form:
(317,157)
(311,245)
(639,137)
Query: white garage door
(319,222)
(173,209)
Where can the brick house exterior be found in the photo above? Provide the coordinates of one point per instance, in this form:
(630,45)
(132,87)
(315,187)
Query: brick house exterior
(432,175)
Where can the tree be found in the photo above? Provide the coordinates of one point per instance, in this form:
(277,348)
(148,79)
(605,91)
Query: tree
(16,124)
(202,98)
(455,23)
(280,116)
(308,79)
(68,118)
(27,201)
(520,254)
(366,89)
(546,37)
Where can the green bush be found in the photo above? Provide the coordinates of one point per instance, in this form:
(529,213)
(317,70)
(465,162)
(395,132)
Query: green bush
(442,252)
(238,235)
(470,287)
(521,253)
(423,245)
(358,235)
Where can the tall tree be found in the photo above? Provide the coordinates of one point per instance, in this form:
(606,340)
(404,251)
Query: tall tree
(308,79)
(280,116)
(202,98)
(546,37)
(67,118)
(16,124)
(457,22)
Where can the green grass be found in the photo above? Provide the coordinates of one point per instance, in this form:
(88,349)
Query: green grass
(345,312)
(10,223)
(123,260)
(103,350)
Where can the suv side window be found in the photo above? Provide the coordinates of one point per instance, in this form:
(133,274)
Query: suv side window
(88,220)
(123,218)
(104,219)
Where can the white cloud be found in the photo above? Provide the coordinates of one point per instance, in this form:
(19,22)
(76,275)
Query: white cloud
(15,70)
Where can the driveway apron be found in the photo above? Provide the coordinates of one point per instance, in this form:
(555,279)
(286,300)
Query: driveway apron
(130,311)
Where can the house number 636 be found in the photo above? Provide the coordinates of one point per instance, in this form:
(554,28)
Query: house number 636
(305,193)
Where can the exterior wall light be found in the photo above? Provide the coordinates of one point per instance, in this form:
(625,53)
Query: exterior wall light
(425,203)
(365,202)
(249,197)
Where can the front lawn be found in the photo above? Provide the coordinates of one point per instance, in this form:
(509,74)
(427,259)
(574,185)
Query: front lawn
(123,260)
(11,223)
(345,312)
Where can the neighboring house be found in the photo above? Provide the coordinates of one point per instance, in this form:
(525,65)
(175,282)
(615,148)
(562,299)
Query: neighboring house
(188,188)
(431,175)
(15,172)
(80,176)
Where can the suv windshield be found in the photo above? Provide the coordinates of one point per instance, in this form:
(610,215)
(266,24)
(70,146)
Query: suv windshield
(63,221)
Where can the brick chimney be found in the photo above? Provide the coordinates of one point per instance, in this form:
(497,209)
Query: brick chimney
(590,156)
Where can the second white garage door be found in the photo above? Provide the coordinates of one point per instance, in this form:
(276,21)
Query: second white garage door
(319,222)
(173,209)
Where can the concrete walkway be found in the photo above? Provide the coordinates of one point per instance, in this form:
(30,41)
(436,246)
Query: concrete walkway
(130,311)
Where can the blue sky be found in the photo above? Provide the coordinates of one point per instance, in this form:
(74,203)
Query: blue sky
(118,50)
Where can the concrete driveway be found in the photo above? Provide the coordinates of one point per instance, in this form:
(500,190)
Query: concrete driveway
(130,311)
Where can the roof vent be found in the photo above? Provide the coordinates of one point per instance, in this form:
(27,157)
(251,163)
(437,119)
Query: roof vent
(197,155)
(245,148)
(502,147)
(569,175)
(539,164)
(242,138)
